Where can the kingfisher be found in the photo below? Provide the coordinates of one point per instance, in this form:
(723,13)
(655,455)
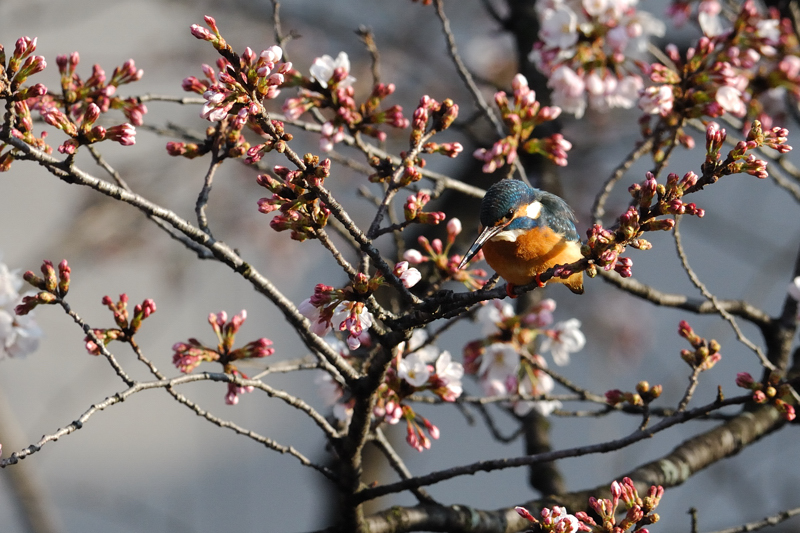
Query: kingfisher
(524,232)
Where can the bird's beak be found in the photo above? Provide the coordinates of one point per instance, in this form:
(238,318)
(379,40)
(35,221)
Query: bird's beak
(485,235)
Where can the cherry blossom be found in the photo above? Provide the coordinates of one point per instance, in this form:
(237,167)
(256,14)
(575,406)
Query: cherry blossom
(413,369)
(794,288)
(565,338)
(324,68)
(449,373)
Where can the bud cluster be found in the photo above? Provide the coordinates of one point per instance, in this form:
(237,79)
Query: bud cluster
(413,209)
(739,160)
(438,254)
(188,355)
(431,117)
(705,353)
(655,199)
(299,208)
(83,101)
(343,309)
(774,391)
(741,70)
(126,326)
(330,86)
(521,115)
(21,65)
(639,512)
(53,287)
(644,395)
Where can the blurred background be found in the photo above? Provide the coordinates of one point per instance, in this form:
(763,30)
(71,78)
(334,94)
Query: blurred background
(150,464)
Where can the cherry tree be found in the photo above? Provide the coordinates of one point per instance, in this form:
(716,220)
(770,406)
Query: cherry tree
(377,350)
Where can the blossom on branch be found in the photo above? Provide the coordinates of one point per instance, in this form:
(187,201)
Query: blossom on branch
(19,334)
(188,355)
(587,50)
(521,115)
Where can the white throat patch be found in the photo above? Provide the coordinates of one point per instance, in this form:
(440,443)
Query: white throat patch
(509,235)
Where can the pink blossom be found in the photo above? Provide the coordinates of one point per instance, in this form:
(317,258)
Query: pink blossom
(730,99)
(449,372)
(657,100)
(414,257)
(409,276)
(794,288)
(559,27)
(125,134)
(568,90)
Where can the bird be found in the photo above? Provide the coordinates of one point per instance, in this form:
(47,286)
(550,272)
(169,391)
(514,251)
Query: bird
(524,232)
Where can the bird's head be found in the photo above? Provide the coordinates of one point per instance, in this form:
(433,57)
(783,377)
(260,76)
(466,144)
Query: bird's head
(511,207)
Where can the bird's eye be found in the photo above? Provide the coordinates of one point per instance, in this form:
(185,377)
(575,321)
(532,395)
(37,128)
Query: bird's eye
(510,214)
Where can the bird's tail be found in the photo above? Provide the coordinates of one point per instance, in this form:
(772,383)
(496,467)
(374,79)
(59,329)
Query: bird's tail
(574,282)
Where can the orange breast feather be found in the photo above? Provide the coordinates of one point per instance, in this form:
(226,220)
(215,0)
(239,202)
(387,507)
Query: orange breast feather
(532,253)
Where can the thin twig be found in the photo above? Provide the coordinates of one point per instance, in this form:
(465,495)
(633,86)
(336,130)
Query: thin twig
(599,206)
(219,250)
(99,343)
(738,308)
(494,430)
(368,38)
(773,520)
(501,464)
(201,252)
(687,396)
(98,157)
(323,238)
(371,150)
(141,386)
(396,462)
(202,198)
(466,77)
(713,299)
(183,100)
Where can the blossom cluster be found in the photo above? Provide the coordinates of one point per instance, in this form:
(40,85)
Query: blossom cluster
(416,367)
(521,115)
(188,355)
(298,207)
(244,81)
(345,309)
(234,96)
(127,326)
(506,361)
(744,69)
(587,50)
(773,391)
(83,101)
(438,254)
(639,512)
(19,332)
(341,308)
(330,86)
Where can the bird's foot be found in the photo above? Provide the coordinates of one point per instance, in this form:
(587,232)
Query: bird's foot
(539,282)
(510,290)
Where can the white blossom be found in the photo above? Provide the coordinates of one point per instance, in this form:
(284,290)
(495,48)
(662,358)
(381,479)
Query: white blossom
(565,338)
(323,68)
(559,27)
(414,370)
